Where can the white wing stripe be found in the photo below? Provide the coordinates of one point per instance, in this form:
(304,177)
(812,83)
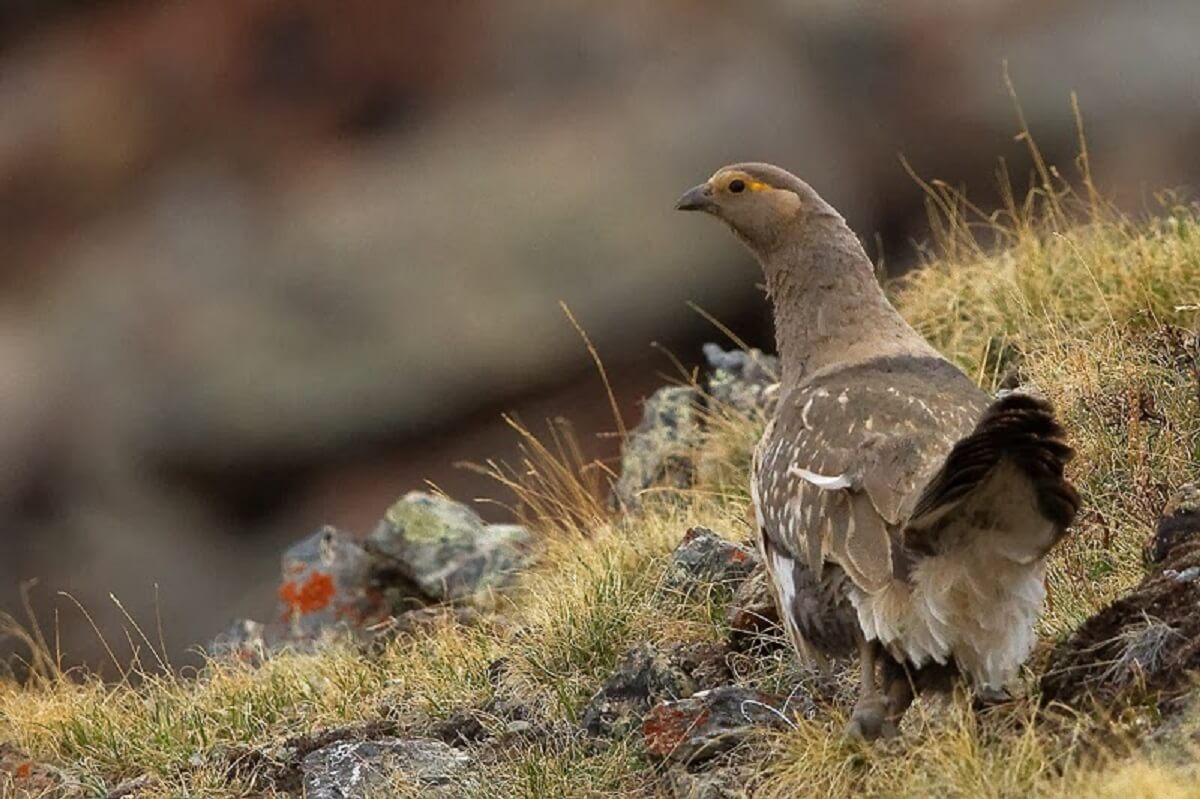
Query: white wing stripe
(822,481)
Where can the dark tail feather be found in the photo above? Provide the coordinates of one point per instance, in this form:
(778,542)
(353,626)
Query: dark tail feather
(1019,429)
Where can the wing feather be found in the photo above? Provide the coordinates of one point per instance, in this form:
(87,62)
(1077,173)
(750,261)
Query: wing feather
(849,453)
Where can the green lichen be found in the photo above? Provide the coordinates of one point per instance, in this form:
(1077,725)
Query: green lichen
(419,523)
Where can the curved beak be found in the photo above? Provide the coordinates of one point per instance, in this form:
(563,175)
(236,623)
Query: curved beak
(697,198)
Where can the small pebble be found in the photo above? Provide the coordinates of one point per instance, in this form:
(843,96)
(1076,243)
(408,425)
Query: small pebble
(518,727)
(1188,575)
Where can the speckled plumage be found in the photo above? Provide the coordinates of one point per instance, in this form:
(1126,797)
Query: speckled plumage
(900,413)
(899,508)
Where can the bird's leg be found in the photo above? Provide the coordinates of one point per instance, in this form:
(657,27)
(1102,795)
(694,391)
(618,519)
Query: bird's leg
(870,718)
(899,688)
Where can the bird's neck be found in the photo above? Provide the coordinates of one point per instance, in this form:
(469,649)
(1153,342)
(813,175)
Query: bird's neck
(829,307)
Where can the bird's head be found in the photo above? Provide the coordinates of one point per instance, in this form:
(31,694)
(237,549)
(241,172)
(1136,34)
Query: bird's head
(763,204)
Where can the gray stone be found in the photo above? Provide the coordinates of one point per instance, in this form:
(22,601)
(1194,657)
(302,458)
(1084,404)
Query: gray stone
(519,727)
(643,677)
(445,549)
(746,381)
(708,723)
(246,640)
(660,451)
(1188,575)
(357,769)
(703,558)
(327,583)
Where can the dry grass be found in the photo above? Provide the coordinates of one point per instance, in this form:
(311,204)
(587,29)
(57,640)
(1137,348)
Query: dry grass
(1087,303)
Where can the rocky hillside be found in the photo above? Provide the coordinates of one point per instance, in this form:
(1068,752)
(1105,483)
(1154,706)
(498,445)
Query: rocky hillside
(238,238)
(617,643)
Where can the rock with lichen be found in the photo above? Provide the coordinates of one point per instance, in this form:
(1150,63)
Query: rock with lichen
(247,640)
(327,583)
(358,769)
(643,677)
(22,775)
(445,549)
(708,723)
(745,380)
(705,559)
(660,452)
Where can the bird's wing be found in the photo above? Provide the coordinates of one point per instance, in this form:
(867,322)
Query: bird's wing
(1004,480)
(854,448)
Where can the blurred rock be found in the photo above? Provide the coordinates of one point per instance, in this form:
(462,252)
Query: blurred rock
(704,559)
(361,769)
(660,451)
(1147,643)
(328,583)
(445,549)
(695,729)
(745,381)
(245,640)
(643,677)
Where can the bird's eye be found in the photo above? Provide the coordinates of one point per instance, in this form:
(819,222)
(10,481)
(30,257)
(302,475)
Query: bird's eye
(737,186)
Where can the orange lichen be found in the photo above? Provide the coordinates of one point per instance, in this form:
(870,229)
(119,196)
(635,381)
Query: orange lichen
(311,595)
(667,726)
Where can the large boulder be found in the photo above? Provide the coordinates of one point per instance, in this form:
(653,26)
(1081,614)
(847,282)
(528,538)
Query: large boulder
(444,548)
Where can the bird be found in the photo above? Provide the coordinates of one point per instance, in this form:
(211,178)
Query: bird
(903,514)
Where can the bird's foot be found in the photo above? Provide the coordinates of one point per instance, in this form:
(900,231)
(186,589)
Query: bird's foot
(984,698)
(871,719)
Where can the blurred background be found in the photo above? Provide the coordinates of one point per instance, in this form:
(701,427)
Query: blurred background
(266,264)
